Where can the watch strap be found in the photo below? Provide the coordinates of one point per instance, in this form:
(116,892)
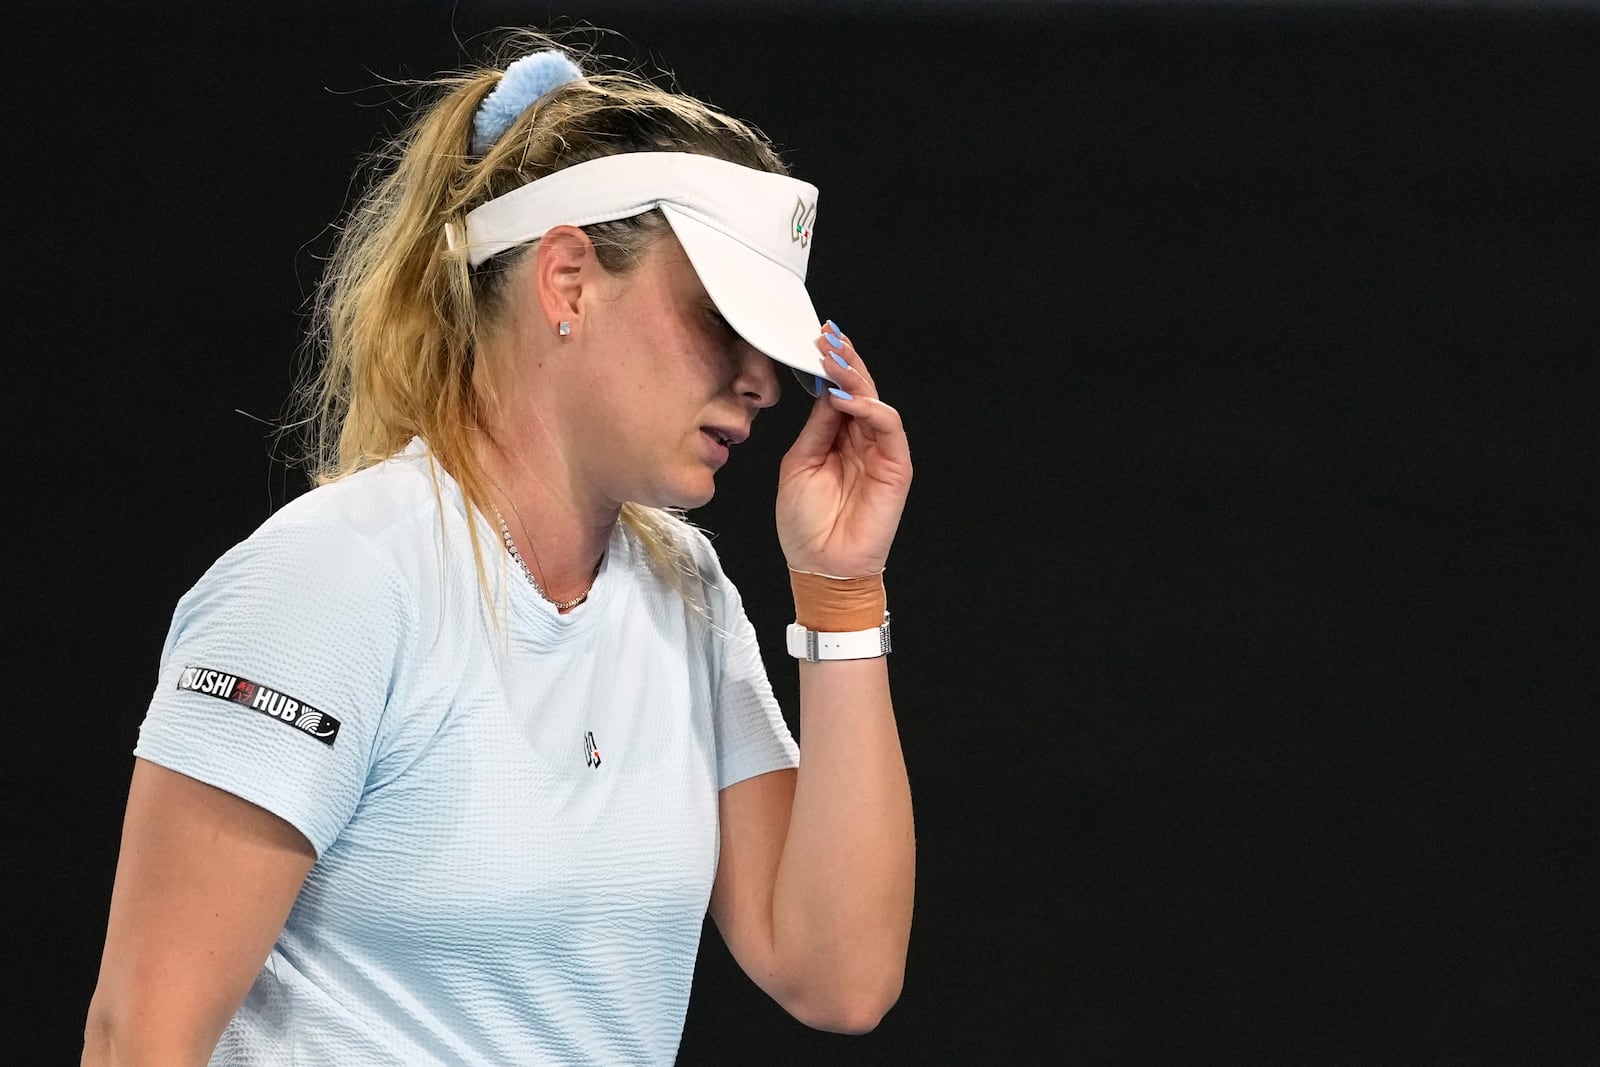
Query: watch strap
(816,646)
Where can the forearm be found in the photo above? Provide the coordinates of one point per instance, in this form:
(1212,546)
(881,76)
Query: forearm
(132,1042)
(842,896)
(841,887)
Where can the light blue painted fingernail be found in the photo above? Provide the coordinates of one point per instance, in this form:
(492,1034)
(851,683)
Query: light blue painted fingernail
(837,358)
(834,326)
(834,340)
(840,393)
(816,389)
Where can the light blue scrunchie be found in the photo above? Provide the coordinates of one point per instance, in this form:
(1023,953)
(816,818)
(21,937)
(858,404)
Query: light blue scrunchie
(523,82)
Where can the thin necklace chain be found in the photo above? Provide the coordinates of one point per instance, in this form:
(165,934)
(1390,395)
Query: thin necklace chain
(516,556)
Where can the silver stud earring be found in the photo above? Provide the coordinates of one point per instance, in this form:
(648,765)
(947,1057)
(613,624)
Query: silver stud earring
(565,328)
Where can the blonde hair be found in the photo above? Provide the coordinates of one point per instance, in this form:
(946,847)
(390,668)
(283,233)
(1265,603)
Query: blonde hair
(398,316)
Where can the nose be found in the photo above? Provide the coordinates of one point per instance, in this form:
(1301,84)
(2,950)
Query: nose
(757,380)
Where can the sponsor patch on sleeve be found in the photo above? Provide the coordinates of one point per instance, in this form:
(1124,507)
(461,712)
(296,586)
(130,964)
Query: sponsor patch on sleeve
(257,697)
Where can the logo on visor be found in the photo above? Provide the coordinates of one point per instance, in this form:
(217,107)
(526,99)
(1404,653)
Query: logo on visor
(804,217)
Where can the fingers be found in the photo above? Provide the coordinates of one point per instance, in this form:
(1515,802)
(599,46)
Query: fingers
(857,394)
(880,421)
(844,363)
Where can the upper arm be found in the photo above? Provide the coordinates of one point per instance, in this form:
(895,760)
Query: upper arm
(754,821)
(756,757)
(204,883)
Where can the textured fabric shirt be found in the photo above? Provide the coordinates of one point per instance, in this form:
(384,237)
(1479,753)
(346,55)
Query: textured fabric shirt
(514,811)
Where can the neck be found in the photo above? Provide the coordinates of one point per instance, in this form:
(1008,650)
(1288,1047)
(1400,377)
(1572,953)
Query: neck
(560,535)
(541,482)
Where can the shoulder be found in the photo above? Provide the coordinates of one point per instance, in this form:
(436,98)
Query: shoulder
(698,545)
(354,547)
(678,561)
(390,515)
(377,504)
(667,546)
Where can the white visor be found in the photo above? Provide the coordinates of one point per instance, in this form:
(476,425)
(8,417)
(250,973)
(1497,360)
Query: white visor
(747,232)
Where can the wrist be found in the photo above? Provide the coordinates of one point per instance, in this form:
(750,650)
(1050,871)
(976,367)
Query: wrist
(833,604)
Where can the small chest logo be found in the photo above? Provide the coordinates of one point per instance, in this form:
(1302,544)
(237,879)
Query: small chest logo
(804,218)
(269,702)
(591,754)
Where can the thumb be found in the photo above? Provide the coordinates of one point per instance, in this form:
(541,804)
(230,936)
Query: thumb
(817,435)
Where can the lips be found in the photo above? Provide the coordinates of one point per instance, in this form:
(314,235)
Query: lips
(724,436)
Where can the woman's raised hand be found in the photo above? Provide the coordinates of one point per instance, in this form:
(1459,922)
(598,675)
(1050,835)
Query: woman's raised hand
(843,484)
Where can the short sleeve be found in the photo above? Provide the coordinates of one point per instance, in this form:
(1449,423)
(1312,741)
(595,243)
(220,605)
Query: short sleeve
(752,737)
(277,671)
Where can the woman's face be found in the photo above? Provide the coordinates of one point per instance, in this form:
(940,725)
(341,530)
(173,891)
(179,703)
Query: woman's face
(667,388)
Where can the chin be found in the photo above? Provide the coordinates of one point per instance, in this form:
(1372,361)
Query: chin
(697,499)
(685,497)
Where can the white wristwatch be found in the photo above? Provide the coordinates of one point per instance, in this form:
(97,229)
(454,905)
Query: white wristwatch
(813,646)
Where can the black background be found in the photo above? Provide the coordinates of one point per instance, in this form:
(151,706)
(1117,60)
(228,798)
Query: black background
(1246,651)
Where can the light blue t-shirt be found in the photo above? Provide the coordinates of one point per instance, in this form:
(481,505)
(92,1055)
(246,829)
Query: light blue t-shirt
(514,811)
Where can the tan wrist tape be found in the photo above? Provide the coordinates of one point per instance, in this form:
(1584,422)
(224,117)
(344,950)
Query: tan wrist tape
(837,605)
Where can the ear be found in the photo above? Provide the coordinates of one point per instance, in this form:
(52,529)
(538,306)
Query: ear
(563,262)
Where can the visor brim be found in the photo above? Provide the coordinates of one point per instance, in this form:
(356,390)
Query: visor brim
(764,302)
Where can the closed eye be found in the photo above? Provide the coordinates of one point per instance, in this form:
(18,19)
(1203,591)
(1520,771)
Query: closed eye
(717,320)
